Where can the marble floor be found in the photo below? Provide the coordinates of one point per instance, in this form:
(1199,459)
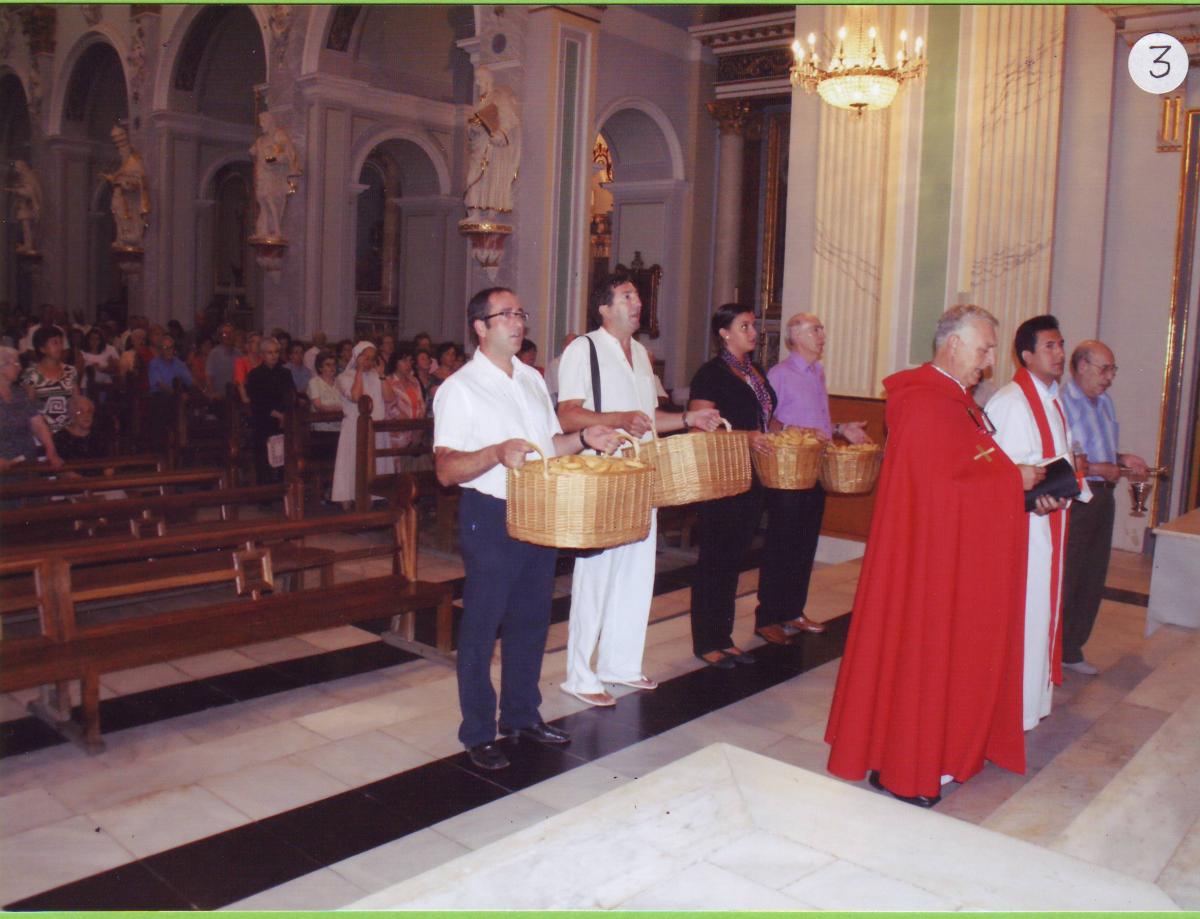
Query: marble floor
(311,772)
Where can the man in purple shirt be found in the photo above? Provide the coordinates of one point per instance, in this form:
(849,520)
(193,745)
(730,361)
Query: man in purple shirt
(794,517)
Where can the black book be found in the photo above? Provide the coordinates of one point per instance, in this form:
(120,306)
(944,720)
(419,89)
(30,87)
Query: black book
(1060,482)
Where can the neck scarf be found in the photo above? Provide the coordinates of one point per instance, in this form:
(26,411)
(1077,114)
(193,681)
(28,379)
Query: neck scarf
(745,369)
(1058,520)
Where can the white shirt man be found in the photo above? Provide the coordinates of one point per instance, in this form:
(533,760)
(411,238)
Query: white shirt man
(611,591)
(1019,435)
(484,417)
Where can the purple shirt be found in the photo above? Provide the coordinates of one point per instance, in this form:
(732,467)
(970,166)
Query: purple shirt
(803,398)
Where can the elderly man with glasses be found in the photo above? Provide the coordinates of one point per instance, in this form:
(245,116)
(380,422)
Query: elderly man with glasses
(1093,420)
(485,417)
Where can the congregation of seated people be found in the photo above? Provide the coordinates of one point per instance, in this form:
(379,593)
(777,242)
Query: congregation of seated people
(86,388)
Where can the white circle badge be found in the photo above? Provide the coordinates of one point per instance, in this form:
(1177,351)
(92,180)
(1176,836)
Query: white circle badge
(1158,63)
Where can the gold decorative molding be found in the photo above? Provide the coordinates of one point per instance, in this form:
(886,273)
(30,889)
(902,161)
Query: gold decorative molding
(731,115)
(754,65)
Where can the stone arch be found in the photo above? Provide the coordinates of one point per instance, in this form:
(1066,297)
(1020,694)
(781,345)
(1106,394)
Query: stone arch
(177,44)
(204,184)
(102,33)
(384,133)
(623,124)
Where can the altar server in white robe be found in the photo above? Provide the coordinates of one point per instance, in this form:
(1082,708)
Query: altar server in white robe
(1031,427)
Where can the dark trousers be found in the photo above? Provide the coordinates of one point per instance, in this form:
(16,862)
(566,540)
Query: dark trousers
(726,529)
(506,595)
(793,527)
(1089,543)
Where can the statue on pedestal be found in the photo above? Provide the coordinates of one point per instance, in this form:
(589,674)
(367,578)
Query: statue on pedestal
(130,196)
(27,205)
(493,148)
(276,167)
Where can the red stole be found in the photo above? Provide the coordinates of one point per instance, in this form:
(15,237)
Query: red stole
(1058,520)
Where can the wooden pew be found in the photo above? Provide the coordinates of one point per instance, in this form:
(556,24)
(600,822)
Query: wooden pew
(368,482)
(137,516)
(304,460)
(108,465)
(43,489)
(69,644)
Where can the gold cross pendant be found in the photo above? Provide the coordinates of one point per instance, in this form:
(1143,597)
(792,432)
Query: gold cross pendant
(984,454)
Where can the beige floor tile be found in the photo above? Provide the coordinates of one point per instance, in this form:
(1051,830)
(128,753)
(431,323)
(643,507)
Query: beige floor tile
(846,886)
(1181,876)
(807,754)
(281,649)
(399,860)
(32,807)
(493,821)
(364,758)
(56,854)
(321,890)
(200,666)
(575,787)
(165,819)
(346,636)
(705,886)
(271,788)
(140,679)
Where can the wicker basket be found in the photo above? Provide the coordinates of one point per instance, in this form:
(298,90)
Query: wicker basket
(790,466)
(851,472)
(570,509)
(699,466)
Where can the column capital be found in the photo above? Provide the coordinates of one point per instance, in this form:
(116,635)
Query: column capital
(733,116)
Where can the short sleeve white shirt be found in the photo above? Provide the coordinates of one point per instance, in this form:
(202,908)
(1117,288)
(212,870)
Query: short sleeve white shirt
(480,405)
(623,388)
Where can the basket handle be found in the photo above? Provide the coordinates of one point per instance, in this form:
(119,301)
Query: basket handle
(531,447)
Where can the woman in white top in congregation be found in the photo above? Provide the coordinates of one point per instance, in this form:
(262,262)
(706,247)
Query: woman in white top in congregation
(360,378)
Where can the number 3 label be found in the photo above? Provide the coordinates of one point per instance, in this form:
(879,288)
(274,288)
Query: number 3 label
(1158,63)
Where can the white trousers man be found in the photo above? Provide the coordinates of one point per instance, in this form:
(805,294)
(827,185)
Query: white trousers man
(610,607)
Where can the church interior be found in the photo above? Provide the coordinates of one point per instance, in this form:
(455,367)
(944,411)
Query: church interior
(316,168)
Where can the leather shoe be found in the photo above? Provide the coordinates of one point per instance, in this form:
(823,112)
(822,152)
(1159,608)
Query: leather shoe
(801,624)
(916,800)
(775,634)
(488,756)
(541,732)
(718,659)
(738,656)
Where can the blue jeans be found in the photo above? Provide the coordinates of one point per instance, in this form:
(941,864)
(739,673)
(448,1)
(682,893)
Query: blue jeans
(506,595)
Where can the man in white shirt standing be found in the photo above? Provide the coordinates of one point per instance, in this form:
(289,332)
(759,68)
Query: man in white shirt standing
(1030,427)
(611,592)
(484,416)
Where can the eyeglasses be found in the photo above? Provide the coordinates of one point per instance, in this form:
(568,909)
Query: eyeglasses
(509,315)
(1105,369)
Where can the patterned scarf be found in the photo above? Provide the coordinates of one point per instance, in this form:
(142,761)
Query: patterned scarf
(745,369)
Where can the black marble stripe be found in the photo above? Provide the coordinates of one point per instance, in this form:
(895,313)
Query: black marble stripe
(230,866)
(1132,597)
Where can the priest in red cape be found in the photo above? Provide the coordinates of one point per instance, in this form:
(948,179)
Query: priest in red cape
(930,684)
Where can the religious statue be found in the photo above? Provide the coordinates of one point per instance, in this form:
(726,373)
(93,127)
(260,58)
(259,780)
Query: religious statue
(27,205)
(276,167)
(493,148)
(130,196)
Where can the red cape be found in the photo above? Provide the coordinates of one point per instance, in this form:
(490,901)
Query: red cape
(930,683)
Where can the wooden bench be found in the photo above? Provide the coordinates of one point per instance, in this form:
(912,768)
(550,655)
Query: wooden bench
(67,644)
(45,489)
(304,460)
(138,516)
(108,465)
(368,482)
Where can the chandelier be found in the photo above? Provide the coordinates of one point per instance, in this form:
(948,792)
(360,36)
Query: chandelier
(857,77)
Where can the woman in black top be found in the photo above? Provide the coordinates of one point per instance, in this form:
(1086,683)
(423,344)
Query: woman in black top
(734,384)
(271,391)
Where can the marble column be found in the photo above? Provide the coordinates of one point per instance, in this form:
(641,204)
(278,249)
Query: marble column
(732,117)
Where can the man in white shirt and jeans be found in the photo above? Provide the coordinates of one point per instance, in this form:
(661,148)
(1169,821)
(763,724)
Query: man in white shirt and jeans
(611,592)
(484,415)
